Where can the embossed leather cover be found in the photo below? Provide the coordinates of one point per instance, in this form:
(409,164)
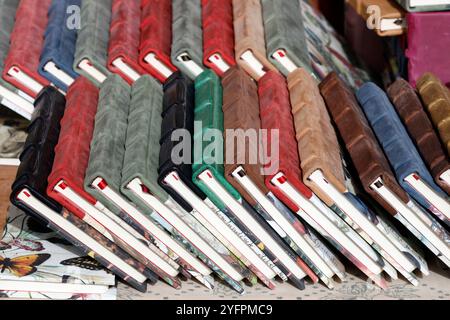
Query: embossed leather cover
(187,33)
(407,5)
(177,113)
(241,111)
(26,42)
(208,111)
(436,98)
(59,44)
(124,36)
(397,145)
(143,134)
(156,34)
(284,29)
(93,37)
(427,40)
(365,152)
(108,142)
(218,32)
(275,113)
(317,142)
(249,34)
(420,129)
(73,148)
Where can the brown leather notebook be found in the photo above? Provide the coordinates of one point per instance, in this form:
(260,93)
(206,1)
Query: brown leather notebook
(250,44)
(420,128)
(7,177)
(392,21)
(436,97)
(366,154)
(317,142)
(241,111)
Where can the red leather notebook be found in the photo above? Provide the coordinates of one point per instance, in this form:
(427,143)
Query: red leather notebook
(123,56)
(218,35)
(27,40)
(156,38)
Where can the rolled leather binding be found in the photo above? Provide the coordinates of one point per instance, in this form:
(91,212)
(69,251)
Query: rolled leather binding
(436,98)
(317,142)
(218,34)
(26,44)
(249,35)
(420,129)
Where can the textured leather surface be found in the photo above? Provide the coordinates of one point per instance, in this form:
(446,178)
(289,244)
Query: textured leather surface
(36,160)
(367,155)
(420,128)
(143,134)
(8,10)
(397,145)
(187,33)
(156,34)
(27,41)
(249,34)
(317,142)
(124,36)
(284,29)
(178,113)
(275,113)
(241,111)
(108,142)
(436,98)
(218,32)
(428,38)
(208,111)
(59,44)
(93,37)
(407,5)
(72,151)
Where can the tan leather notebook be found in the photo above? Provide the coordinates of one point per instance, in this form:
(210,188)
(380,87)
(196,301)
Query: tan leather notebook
(7,176)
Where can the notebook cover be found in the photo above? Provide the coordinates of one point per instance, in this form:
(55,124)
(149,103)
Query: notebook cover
(124,36)
(36,165)
(284,29)
(73,148)
(427,40)
(274,100)
(93,37)
(397,145)
(420,129)
(249,34)
(436,99)
(156,34)
(365,152)
(407,5)
(208,111)
(218,32)
(59,43)
(26,42)
(178,113)
(317,142)
(187,33)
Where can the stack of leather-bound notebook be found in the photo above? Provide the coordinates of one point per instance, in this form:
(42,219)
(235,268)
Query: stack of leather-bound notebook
(228,141)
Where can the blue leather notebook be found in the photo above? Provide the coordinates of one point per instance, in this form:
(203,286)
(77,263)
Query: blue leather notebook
(56,63)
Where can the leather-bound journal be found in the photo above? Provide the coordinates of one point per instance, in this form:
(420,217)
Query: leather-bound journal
(187,37)
(409,169)
(250,44)
(91,51)
(124,40)
(176,179)
(10,96)
(56,60)
(21,65)
(360,143)
(29,193)
(285,36)
(218,35)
